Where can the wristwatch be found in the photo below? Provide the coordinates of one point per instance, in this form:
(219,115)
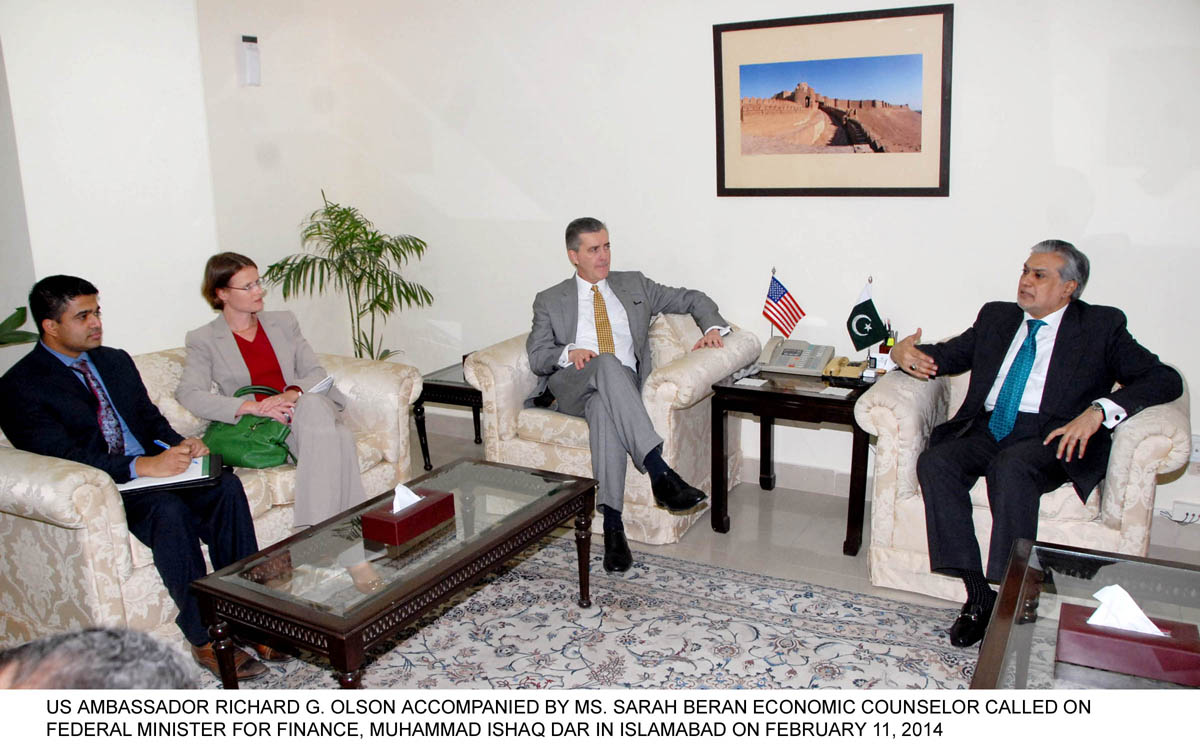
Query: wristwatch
(1098,407)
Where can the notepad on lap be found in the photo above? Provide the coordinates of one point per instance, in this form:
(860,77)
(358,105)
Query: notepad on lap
(202,471)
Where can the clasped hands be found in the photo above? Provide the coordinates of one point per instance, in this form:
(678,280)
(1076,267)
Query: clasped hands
(1074,435)
(171,461)
(710,339)
(278,407)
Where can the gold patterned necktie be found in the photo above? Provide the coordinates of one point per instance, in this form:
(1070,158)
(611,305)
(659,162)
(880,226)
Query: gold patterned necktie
(603,329)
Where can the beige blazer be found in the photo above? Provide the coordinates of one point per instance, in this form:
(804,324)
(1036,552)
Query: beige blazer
(213,356)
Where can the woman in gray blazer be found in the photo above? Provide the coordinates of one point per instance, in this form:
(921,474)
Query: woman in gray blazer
(246,345)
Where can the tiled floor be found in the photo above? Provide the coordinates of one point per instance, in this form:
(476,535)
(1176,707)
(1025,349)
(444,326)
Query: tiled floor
(782,533)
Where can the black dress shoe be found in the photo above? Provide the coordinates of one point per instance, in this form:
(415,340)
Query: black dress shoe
(972,623)
(672,494)
(617,557)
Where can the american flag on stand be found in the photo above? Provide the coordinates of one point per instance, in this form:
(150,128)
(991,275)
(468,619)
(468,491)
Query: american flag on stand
(781,308)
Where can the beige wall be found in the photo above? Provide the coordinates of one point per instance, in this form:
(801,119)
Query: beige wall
(110,130)
(484,127)
(17,275)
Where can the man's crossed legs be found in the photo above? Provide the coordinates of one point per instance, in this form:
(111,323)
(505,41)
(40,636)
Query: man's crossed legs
(606,393)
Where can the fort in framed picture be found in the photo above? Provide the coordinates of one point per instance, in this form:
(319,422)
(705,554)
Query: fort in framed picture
(845,104)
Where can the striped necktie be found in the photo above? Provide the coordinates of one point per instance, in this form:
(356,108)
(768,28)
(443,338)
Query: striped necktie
(1009,400)
(106,414)
(604,336)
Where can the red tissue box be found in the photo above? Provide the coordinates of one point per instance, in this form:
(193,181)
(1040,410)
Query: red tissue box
(1174,658)
(396,528)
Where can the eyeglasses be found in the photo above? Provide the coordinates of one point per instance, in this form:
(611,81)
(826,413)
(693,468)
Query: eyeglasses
(248,287)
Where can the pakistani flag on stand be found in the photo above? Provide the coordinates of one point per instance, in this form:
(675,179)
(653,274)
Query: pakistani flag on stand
(863,324)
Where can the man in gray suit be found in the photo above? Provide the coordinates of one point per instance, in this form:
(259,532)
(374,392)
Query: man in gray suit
(590,346)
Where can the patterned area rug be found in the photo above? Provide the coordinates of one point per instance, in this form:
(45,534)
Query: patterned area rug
(664,624)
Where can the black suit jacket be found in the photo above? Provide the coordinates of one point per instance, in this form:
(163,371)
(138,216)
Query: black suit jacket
(1092,352)
(45,408)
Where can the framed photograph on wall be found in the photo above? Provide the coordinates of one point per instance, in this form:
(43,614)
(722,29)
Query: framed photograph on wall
(843,104)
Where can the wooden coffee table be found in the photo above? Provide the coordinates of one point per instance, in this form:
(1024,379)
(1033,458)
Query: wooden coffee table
(298,594)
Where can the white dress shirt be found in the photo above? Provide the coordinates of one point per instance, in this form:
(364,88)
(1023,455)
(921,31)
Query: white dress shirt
(1031,398)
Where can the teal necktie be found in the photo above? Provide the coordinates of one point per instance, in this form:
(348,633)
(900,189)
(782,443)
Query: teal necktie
(1009,400)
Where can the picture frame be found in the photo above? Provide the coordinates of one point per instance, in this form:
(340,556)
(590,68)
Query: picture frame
(782,137)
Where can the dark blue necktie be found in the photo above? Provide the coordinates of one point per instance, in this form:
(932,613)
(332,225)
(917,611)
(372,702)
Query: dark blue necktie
(1009,400)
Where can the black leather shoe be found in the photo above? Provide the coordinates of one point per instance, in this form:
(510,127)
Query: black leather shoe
(672,494)
(972,623)
(617,557)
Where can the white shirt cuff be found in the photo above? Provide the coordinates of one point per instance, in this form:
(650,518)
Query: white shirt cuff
(723,330)
(564,361)
(1113,413)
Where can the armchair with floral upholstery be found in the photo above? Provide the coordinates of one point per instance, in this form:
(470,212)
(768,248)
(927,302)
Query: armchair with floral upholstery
(676,397)
(69,560)
(902,411)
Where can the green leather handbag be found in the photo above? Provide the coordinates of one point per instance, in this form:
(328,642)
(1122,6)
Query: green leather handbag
(253,441)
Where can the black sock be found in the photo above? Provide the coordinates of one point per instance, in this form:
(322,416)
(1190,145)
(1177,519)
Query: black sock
(612,518)
(654,464)
(978,589)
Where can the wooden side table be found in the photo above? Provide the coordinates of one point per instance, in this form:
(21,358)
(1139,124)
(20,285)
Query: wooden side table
(448,386)
(794,398)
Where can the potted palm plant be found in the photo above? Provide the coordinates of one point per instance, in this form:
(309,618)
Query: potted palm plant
(347,253)
(10,335)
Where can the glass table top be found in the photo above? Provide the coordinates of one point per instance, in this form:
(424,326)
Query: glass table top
(1054,576)
(331,568)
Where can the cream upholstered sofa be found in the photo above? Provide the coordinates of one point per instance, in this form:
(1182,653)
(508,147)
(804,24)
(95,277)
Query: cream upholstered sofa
(676,396)
(902,411)
(68,559)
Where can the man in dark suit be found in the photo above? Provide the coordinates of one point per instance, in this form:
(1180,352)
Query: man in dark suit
(73,398)
(1038,413)
(590,346)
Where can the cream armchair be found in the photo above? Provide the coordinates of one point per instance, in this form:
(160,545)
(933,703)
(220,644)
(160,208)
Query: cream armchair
(675,394)
(902,411)
(69,560)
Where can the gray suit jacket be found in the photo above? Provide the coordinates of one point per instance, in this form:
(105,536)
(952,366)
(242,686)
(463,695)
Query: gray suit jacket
(213,356)
(556,312)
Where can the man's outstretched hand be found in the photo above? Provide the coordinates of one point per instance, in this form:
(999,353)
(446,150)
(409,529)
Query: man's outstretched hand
(910,358)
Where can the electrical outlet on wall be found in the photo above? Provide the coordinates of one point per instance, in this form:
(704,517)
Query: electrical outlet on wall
(1195,448)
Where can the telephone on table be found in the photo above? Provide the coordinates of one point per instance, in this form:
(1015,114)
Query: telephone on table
(795,357)
(842,367)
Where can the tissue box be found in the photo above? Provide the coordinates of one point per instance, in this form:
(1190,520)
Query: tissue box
(1174,658)
(396,528)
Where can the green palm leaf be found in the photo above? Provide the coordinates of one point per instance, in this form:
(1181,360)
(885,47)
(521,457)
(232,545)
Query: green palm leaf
(345,253)
(10,335)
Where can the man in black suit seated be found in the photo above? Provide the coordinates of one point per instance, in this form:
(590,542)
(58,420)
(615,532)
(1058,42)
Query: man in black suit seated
(1038,413)
(73,398)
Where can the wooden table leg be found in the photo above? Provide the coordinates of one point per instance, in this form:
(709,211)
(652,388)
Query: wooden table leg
(583,546)
(475,417)
(766,453)
(224,648)
(419,416)
(353,679)
(856,510)
(720,469)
